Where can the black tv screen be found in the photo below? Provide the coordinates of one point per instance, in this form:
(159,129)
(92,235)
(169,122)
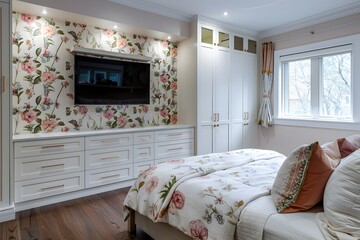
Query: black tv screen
(111,81)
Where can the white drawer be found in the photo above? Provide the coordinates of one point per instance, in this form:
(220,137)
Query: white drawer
(161,160)
(174,149)
(142,166)
(48,165)
(109,175)
(173,135)
(52,146)
(144,137)
(108,141)
(45,187)
(108,157)
(144,152)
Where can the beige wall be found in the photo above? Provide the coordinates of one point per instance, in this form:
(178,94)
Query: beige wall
(285,138)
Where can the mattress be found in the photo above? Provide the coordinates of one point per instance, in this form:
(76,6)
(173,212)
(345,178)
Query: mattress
(259,220)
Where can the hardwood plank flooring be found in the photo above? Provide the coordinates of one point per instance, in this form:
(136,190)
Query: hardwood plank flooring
(97,217)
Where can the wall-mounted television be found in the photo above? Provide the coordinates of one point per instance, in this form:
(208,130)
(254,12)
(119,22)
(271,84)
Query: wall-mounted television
(105,81)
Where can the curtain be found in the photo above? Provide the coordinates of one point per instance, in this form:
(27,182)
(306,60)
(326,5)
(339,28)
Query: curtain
(265,115)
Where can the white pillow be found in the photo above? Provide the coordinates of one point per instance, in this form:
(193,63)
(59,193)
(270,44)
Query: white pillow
(341,217)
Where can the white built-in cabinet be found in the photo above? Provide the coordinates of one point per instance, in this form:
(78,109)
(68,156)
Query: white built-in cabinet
(5,139)
(63,166)
(213,97)
(227,91)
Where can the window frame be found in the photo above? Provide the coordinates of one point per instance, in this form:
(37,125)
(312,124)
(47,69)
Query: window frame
(318,49)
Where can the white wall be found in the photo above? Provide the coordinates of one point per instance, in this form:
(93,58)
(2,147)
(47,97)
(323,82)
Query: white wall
(285,138)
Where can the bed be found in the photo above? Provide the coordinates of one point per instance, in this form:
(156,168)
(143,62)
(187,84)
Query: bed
(217,196)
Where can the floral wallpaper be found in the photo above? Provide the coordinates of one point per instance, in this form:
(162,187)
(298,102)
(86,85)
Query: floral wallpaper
(43,72)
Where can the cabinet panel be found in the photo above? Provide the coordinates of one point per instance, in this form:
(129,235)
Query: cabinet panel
(144,137)
(236,91)
(44,147)
(108,141)
(5,114)
(205,140)
(222,79)
(108,157)
(174,135)
(174,149)
(144,152)
(236,134)
(142,166)
(99,177)
(250,87)
(221,143)
(49,165)
(205,85)
(45,187)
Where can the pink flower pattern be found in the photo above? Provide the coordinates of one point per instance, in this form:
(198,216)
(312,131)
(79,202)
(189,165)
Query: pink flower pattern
(46,60)
(151,184)
(48,125)
(28,67)
(29,19)
(29,116)
(48,77)
(198,230)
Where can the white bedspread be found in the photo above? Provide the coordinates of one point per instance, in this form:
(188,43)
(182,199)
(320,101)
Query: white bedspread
(203,196)
(259,220)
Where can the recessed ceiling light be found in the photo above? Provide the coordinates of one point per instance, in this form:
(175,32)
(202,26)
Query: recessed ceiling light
(115,26)
(226,13)
(44,11)
(169,37)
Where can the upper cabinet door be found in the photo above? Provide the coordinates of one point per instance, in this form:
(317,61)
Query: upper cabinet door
(245,44)
(215,37)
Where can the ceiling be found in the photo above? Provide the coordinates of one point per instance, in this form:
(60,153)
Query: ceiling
(259,16)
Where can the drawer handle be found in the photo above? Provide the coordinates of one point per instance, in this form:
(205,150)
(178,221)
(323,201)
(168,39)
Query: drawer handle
(54,165)
(175,149)
(53,187)
(52,146)
(175,134)
(107,158)
(111,176)
(110,140)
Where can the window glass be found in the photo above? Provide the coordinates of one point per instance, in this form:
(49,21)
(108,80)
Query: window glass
(298,92)
(336,86)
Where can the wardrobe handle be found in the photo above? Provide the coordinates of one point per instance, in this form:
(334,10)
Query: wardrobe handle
(218,117)
(214,117)
(3,84)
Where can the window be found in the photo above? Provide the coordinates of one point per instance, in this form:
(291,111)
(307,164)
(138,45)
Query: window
(314,85)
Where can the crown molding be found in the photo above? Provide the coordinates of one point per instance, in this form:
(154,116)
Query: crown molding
(155,8)
(306,22)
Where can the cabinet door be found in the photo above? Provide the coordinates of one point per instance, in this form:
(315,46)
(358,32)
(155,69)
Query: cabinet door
(5,130)
(205,139)
(236,100)
(221,138)
(205,85)
(250,86)
(221,84)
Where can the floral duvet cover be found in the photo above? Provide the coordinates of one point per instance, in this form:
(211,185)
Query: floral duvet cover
(203,195)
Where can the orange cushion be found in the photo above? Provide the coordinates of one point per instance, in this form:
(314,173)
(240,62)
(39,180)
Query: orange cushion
(301,180)
(346,147)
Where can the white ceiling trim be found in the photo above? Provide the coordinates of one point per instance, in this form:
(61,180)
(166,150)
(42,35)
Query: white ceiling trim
(155,8)
(324,17)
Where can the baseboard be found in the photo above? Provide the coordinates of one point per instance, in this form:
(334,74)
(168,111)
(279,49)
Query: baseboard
(7,214)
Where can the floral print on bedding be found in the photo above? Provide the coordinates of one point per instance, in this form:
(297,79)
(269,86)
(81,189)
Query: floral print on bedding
(203,195)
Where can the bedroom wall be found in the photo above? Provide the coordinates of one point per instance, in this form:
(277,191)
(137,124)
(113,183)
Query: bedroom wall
(43,89)
(285,138)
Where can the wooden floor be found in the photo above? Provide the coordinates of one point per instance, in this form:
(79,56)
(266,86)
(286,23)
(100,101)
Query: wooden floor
(97,217)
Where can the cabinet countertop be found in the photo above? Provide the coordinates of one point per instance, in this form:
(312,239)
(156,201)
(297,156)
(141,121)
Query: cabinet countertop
(53,135)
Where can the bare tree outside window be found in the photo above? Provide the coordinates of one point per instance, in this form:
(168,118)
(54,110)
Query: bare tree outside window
(333,78)
(336,86)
